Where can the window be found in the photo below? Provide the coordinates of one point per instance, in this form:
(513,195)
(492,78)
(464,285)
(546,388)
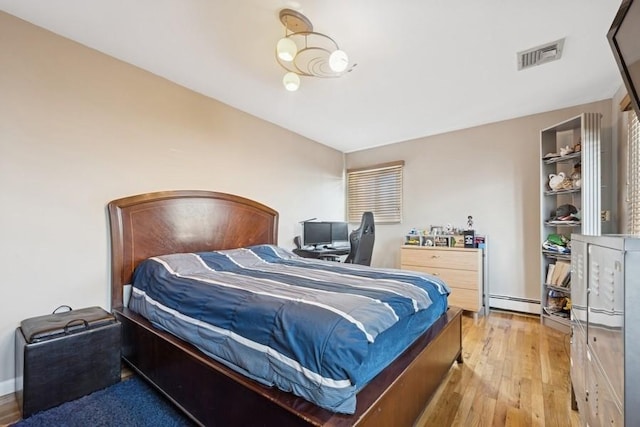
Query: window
(633,175)
(377,189)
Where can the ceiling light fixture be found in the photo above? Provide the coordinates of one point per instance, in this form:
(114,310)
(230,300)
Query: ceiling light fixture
(303,52)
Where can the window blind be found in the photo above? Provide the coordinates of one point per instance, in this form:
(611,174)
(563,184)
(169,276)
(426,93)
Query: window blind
(377,189)
(633,174)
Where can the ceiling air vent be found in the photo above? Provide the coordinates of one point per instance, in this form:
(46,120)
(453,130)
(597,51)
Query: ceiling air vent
(540,54)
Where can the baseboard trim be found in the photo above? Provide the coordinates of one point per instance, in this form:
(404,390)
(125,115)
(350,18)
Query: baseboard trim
(514,304)
(7,387)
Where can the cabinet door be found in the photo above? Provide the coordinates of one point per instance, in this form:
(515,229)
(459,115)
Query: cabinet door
(578,365)
(603,408)
(605,331)
(579,324)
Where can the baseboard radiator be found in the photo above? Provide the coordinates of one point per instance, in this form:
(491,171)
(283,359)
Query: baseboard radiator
(507,302)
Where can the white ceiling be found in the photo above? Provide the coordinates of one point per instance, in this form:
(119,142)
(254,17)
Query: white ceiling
(424,66)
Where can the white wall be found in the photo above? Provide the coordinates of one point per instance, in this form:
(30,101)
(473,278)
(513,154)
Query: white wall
(79,128)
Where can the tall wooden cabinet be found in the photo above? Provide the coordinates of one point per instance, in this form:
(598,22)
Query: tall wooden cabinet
(580,190)
(605,329)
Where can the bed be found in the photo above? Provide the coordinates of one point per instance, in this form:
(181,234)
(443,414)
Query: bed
(212,393)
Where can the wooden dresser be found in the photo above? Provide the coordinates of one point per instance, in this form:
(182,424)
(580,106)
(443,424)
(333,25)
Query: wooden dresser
(460,268)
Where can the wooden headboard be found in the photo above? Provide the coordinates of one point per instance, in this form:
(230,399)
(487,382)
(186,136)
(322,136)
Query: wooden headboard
(151,224)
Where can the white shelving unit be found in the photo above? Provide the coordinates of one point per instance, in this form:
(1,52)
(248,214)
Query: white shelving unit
(584,130)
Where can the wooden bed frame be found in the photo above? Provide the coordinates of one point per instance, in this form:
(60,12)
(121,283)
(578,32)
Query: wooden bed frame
(210,393)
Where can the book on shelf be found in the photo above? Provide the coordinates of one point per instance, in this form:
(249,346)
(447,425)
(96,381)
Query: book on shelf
(550,270)
(566,282)
(559,274)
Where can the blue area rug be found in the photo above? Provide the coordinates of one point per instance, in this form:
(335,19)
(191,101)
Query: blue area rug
(129,403)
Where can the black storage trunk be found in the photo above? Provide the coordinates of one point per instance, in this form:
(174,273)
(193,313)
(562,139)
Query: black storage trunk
(64,356)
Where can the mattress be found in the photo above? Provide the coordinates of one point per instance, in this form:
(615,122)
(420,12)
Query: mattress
(321,330)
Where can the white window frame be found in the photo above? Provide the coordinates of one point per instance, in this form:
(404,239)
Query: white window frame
(376,189)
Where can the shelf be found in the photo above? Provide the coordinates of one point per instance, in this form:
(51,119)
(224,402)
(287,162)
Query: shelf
(561,318)
(555,312)
(556,315)
(559,192)
(559,289)
(563,223)
(556,255)
(561,159)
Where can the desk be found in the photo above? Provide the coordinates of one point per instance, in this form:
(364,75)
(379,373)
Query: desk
(330,254)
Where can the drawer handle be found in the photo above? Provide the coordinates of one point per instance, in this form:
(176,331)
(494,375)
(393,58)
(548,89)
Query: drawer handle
(435,256)
(435,274)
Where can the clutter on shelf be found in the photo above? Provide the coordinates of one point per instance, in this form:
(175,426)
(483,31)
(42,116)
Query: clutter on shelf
(446,236)
(565,151)
(566,214)
(558,304)
(557,243)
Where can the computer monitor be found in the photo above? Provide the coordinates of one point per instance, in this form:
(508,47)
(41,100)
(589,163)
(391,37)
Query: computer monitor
(316,233)
(339,232)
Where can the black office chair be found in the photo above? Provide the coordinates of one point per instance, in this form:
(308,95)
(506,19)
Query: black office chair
(361,241)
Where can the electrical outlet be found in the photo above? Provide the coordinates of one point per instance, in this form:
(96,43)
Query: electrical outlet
(605,215)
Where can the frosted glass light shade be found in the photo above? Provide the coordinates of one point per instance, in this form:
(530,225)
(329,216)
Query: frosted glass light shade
(338,61)
(291,81)
(286,49)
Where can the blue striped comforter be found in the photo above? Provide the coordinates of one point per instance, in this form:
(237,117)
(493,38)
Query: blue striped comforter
(304,326)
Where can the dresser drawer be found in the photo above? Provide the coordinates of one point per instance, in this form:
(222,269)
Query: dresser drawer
(441,258)
(466,299)
(465,279)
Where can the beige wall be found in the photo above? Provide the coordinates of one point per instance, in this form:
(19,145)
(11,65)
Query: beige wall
(78,129)
(491,172)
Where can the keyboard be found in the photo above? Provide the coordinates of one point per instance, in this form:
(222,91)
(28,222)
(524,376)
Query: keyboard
(338,247)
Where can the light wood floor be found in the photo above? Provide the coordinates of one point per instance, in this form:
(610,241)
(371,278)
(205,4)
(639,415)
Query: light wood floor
(515,373)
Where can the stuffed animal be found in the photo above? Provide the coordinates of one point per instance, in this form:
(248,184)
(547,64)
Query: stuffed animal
(559,182)
(576,176)
(566,150)
(556,180)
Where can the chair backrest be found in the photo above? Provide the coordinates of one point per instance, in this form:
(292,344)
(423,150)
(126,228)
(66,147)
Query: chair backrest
(361,241)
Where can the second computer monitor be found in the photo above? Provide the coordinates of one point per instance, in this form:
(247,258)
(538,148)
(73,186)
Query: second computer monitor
(339,232)
(324,233)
